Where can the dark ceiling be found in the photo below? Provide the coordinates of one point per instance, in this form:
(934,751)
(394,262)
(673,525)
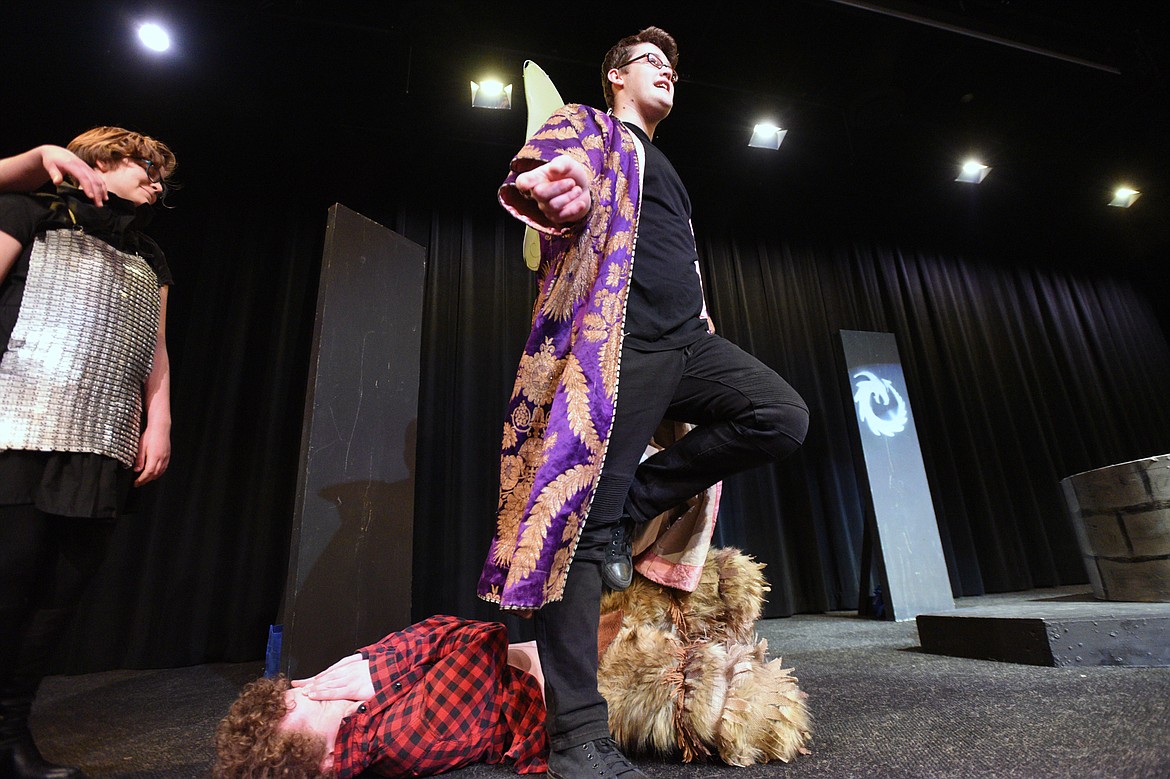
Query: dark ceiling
(1064,99)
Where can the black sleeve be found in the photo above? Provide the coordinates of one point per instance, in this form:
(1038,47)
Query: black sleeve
(20,217)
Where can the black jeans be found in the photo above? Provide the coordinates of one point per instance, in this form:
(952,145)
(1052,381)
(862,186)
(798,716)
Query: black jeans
(745,415)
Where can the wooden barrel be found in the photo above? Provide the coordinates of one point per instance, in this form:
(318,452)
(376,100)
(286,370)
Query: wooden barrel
(1121,514)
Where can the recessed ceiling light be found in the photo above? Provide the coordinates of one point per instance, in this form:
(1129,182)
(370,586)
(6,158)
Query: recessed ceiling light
(767,136)
(154,37)
(973,172)
(1123,197)
(491,94)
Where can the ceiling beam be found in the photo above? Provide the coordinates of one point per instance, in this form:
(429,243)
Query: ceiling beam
(941,20)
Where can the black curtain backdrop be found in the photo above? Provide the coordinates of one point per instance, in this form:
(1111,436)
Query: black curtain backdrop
(1020,373)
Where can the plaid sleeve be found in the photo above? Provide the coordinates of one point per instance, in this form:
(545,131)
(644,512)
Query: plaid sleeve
(445,698)
(397,663)
(522,722)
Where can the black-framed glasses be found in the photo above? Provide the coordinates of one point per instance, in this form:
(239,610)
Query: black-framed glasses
(153,172)
(653,60)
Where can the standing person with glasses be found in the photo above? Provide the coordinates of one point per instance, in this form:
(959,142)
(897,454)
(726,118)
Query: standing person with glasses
(84,398)
(619,290)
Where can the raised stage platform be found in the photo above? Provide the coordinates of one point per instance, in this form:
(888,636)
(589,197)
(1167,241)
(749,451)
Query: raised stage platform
(1068,629)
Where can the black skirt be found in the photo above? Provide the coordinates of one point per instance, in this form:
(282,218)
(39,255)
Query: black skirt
(69,484)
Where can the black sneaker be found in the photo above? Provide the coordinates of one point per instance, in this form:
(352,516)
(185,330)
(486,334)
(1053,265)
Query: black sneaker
(617,569)
(600,759)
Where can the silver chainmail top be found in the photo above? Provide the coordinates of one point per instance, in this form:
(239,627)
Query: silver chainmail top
(71,380)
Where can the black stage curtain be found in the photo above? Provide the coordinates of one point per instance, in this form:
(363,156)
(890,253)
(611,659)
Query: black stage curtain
(1020,374)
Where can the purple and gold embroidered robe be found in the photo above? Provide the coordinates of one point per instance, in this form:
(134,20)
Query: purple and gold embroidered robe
(562,405)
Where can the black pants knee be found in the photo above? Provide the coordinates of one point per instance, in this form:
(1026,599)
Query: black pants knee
(744,415)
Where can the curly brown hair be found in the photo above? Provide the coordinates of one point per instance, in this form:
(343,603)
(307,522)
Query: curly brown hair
(250,745)
(112,144)
(621,53)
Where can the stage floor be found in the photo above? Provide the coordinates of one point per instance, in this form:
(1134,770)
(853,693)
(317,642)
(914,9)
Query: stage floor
(883,708)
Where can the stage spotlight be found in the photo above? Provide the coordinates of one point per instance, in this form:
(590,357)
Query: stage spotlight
(154,37)
(973,172)
(491,94)
(1123,197)
(767,136)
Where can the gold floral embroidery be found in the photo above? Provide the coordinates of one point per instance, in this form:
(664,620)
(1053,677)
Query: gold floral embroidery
(560,490)
(626,206)
(531,458)
(528,550)
(577,397)
(613,161)
(539,421)
(509,514)
(552,498)
(618,274)
(581,156)
(622,241)
(611,352)
(522,416)
(577,275)
(509,438)
(572,526)
(511,469)
(600,325)
(538,373)
(556,133)
(559,303)
(556,576)
(605,328)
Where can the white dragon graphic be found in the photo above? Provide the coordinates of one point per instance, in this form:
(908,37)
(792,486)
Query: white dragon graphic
(871,388)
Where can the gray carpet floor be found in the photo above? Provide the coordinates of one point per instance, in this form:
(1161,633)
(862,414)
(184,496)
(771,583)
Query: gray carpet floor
(883,708)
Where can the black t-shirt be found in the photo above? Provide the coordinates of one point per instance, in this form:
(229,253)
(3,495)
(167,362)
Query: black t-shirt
(665,298)
(23,217)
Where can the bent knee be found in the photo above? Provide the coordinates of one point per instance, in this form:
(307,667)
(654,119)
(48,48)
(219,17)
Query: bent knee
(781,427)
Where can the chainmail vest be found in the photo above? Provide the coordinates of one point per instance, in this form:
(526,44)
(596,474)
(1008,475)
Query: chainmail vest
(83,343)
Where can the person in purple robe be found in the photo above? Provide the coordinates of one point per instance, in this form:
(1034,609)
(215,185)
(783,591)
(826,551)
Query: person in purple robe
(573,486)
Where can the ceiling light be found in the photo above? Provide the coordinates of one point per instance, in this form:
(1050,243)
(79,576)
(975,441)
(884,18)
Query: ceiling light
(973,172)
(491,94)
(1123,197)
(767,136)
(154,37)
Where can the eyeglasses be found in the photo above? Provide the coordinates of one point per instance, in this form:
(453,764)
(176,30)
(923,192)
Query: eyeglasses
(652,59)
(153,172)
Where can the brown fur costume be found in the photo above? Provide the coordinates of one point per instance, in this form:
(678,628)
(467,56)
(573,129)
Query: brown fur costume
(685,671)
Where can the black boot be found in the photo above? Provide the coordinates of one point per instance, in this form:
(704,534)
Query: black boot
(19,756)
(599,759)
(617,569)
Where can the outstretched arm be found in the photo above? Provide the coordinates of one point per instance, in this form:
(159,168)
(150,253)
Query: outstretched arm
(29,170)
(559,188)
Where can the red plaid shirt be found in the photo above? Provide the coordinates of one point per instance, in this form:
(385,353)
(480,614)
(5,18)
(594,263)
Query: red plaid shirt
(444,697)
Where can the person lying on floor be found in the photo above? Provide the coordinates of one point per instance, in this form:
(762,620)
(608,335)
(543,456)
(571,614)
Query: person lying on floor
(440,695)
